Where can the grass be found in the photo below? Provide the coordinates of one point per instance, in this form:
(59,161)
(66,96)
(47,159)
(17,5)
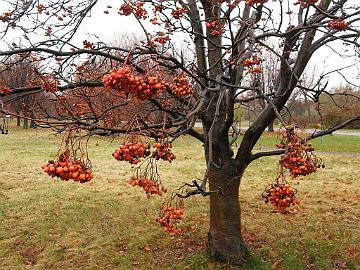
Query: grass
(107,224)
(330,143)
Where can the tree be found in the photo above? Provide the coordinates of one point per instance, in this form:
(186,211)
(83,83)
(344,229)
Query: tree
(217,72)
(17,72)
(339,106)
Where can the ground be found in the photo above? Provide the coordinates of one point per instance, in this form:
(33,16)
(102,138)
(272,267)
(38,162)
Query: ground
(107,224)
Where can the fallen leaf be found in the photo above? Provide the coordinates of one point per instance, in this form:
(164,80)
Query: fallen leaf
(276,264)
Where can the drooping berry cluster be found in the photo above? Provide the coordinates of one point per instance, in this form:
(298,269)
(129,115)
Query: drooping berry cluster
(169,217)
(49,84)
(137,9)
(252,61)
(132,152)
(298,158)
(161,38)
(181,86)
(216,28)
(66,170)
(4,90)
(150,186)
(178,13)
(338,25)
(72,161)
(143,87)
(253,64)
(280,195)
(163,151)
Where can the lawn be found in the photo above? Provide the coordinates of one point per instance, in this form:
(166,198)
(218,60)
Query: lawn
(107,224)
(329,143)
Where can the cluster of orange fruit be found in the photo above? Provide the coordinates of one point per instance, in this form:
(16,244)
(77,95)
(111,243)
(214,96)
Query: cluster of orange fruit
(298,157)
(6,16)
(178,13)
(161,38)
(216,28)
(181,86)
(132,152)
(137,9)
(280,195)
(251,2)
(4,90)
(149,186)
(163,151)
(252,64)
(339,25)
(66,170)
(143,87)
(49,84)
(168,218)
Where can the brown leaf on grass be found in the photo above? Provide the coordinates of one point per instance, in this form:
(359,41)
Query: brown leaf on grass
(146,248)
(272,253)
(340,264)
(352,252)
(122,248)
(30,254)
(276,264)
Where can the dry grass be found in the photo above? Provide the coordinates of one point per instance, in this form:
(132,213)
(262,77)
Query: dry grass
(107,224)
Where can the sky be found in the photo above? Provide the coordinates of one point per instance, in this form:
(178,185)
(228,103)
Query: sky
(111,27)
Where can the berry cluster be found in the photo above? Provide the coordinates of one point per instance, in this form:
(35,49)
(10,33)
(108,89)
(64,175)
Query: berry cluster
(132,152)
(6,16)
(252,2)
(163,151)
(137,9)
(161,38)
(150,186)
(252,61)
(298,157)
(181,86)
(338,25)
(124,80)
(168,218)
(66,170)
(305,3)
(280,195)
(49,84)
(216,28)
(252,64)
(178,13)
(4,90)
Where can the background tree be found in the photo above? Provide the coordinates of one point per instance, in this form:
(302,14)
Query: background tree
(219,69)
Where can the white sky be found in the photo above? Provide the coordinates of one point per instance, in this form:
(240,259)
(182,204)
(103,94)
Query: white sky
(111,27)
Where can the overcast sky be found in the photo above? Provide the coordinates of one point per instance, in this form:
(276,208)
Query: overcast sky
(112,26)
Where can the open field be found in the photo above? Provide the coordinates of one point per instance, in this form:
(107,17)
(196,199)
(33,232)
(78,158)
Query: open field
(107,224)
(330,143)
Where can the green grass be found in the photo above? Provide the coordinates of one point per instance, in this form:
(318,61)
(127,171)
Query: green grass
(107,224)
(329,143)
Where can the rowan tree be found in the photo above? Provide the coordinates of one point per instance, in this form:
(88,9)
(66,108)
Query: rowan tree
(156,90)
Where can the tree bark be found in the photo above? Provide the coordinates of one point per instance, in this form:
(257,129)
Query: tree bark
(18,120)
(271,126)
(225,241)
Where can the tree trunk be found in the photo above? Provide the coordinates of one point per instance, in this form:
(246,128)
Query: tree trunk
(271,127)
(26,123)
(225,241)
(18,120)
(32,122)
